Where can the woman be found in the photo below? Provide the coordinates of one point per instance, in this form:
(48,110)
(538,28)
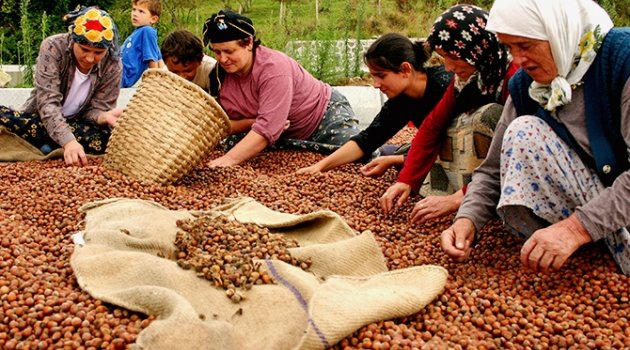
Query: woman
(551,174)
(482,69)
(397,67)
(77,82)
(267,95)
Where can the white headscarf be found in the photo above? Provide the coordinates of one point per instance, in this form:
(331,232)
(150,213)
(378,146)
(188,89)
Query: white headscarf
(574,29)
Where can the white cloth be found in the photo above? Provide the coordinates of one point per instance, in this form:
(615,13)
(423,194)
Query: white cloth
(78,93)
(574,29)
(202,78)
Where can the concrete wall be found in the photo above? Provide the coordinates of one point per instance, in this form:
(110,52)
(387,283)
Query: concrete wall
(15,72)
(365,100)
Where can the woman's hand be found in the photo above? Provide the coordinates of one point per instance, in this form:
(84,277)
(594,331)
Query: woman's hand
(74,154)
(224,160)
(379,166)
(398,190)
(313,169)
(457,240)
(551,246)
(433,207)
(110,117)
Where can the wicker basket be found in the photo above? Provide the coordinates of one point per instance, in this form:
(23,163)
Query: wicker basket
(168,126)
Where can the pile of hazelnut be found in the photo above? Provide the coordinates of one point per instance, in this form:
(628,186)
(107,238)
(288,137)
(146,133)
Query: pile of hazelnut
(224,251)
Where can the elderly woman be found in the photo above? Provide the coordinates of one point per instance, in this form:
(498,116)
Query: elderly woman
(557,170)
(77,82)
(482,68)
(269,96)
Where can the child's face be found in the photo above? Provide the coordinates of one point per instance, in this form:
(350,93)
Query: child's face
(186,70)
(141,16)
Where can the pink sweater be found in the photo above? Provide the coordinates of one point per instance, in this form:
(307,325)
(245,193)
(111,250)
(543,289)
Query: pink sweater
(276,89)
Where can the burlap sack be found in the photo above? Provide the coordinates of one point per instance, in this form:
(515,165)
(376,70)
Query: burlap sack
(13,149)
(348,286)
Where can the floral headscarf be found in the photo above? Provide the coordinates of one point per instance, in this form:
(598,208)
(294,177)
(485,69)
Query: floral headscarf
(461,31)
(575,30)
(94,27)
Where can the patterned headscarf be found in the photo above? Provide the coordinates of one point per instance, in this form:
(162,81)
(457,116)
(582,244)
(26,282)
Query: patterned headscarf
(575,30)
(93,27)
(461,32)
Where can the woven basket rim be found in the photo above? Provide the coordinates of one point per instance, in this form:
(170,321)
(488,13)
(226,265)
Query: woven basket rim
(176,78)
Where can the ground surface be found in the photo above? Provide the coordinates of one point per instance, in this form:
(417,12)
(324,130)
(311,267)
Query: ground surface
(489,301)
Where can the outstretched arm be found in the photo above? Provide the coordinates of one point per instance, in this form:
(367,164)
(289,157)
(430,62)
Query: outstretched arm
(247,148)
(347,153)
(426,143)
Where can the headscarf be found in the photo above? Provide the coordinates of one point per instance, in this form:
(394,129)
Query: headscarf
(226,26)
(460,31)
(575,30)
(93,27)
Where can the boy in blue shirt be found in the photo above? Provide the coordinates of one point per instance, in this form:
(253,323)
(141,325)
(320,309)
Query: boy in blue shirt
(140,50)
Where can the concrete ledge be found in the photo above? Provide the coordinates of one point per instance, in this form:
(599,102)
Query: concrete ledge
(365,100)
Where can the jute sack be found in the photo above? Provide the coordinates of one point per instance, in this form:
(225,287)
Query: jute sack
(14,149)
(348,286)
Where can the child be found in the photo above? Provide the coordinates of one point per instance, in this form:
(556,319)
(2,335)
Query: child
(140,50)
(183,55)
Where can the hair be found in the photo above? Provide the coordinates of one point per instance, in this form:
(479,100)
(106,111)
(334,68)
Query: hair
(154,6)
(391,50)
(246,41)
(182,45)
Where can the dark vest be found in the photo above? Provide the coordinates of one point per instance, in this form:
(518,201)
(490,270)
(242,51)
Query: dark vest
(603,85)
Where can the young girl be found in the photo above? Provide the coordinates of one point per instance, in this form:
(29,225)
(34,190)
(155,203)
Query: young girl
(397,66)
(77,82)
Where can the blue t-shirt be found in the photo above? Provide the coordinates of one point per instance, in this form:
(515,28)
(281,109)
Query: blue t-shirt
(137,50)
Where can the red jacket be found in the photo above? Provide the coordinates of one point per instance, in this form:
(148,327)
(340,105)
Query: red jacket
(428,140)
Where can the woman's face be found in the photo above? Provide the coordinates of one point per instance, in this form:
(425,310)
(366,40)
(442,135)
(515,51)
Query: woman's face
(87,56)
(233,57)
(390,83)
(533,55)
(456,65)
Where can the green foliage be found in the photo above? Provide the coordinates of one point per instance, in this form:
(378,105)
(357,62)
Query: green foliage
(27,43)
(44,28)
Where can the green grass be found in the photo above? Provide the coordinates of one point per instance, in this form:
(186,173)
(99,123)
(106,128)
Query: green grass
(338,20)
(299,22)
